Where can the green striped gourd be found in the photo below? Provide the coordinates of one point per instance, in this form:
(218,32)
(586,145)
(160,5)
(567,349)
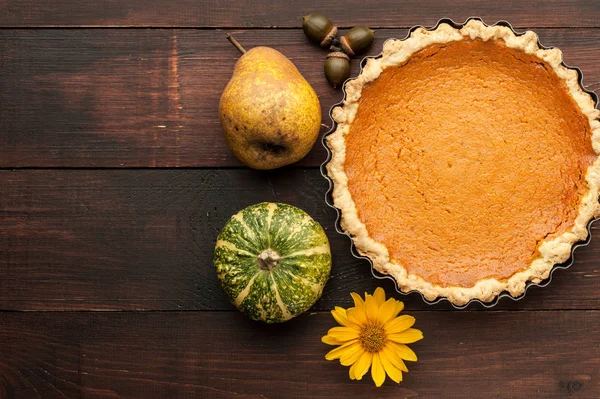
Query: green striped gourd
(273,261)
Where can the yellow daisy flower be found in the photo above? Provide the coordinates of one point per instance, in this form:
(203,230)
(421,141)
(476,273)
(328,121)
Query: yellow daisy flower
(372,335)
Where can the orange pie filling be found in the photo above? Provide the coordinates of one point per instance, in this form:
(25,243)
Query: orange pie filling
(463,159)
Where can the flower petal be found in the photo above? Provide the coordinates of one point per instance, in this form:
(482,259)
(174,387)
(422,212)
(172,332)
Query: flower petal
(357,316)
(403,351)
(339,351)
(399,324)
(358,301)
(377,371)
(340,315)
(371,308)
(391,370)
(407,336)
(394,357)
(352,354)
(361,366)
(343,334)
(387,311)
(379,295)
(399,306)
(330,341)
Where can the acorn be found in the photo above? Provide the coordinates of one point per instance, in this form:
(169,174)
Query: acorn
(337,68)
(357,40)
(318,28)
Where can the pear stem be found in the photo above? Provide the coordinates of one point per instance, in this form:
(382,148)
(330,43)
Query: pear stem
(235,43)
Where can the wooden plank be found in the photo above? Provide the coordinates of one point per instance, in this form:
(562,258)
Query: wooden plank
(224,355)
(144,239)
(145,98)
(287,13)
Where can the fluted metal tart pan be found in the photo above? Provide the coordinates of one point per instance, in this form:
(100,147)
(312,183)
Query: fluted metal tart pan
(378,275)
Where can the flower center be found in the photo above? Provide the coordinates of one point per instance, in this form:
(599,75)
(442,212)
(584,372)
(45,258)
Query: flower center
(372,337)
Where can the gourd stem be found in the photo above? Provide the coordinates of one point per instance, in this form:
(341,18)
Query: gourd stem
(268,259)
(236,43)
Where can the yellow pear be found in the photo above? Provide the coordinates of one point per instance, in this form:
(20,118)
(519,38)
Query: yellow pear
(270,114)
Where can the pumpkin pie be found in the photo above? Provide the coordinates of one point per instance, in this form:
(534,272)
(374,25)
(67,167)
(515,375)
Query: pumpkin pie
(464,161)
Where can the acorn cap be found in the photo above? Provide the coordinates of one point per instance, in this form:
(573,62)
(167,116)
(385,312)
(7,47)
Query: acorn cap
(338,54)
(330,36)
(345,46)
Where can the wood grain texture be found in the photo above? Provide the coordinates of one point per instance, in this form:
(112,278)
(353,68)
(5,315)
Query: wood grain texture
(287,13)
(144,240)
(224,355)
(146,98)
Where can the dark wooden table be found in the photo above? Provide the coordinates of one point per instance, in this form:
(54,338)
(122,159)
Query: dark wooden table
(115,181)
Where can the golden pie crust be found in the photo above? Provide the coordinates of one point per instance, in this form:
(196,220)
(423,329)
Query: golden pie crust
(408,252)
